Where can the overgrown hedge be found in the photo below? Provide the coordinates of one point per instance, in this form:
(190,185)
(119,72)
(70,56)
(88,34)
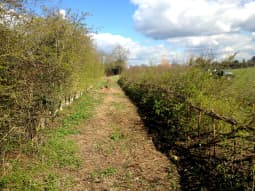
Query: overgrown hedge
(207,122)
(46,61)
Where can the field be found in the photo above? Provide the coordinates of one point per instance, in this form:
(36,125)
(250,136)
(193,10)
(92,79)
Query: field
(243,76)
(208,122)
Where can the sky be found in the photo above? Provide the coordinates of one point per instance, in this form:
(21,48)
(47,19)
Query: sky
(173,29)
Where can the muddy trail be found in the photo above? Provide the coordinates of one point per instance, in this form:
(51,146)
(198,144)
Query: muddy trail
(117,152)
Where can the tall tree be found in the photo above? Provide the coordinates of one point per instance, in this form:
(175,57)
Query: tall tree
(117,60)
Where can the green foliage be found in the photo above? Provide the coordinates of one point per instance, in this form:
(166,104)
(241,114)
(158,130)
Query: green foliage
(44,61)
(42,167)
(194,112)
(116,62)
(207,62)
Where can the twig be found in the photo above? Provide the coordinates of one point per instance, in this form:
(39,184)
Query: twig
(2,139)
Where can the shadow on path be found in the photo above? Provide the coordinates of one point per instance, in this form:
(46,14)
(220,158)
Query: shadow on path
(197,171)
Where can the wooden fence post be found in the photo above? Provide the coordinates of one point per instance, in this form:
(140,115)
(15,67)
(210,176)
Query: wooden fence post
(214,135)
(199,128)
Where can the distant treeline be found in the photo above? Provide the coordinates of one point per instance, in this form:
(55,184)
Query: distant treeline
(229,63)
(46,61)
(115,62)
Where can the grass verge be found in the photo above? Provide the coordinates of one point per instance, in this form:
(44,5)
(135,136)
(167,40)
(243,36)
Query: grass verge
(44,165)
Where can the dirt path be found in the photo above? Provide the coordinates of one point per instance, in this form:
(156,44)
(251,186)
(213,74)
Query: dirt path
(117,152)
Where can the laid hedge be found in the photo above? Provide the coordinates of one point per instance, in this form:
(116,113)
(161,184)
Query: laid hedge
(192,115)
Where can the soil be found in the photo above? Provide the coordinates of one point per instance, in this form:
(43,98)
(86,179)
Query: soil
(117,152)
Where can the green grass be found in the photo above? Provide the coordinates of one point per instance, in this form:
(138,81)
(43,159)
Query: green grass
(110,82)
(117,135)
(244,73)
(43,167)
(100,174)
(243,77)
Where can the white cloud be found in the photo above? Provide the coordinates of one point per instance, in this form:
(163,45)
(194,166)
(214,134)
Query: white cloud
(162,19)
(220,44)
(190,26)
(138,54)
(221,26)
(106,41)
(62,12)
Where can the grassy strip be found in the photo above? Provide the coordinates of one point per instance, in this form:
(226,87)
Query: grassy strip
(43,166)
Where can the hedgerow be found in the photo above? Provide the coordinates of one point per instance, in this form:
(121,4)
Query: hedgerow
(206,121)
(46,61)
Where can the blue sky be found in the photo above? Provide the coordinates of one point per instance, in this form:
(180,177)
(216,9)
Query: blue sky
(173,29)
(107,16)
